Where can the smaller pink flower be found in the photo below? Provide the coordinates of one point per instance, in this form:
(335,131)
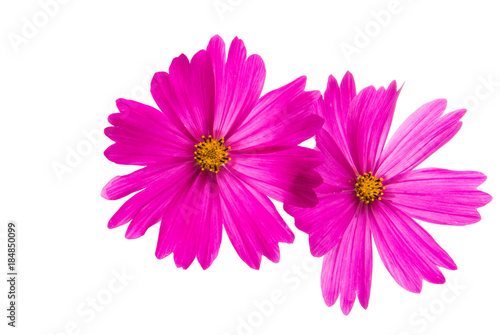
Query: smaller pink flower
(371,189)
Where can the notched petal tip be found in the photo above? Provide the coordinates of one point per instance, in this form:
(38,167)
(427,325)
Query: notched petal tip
(113,119)
(181,262)
(363,304)
(237,40)
(119,102)
(216,38)
(258,64)
(158,78)
(438,104)
(328,301)
(368,90)
(487,198)
(252,263)
(254,266)
(289,239)
(393,87)
(460,111)
(301,78)
(331,82)
(108,153)
(348,77)
(112,223)
(315,95)
(104,192)
(205,263)
(217,49)
(346,309)
(299,81)
(314,248)
(108,130)
(124,105)
(199,56)
(237,49)
(160,254)
(205,266)
(416,290)
(348,82)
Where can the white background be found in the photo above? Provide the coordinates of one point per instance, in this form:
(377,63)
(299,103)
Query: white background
(63,79)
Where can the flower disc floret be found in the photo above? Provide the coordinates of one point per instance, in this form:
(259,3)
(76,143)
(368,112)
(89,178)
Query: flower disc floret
(369,187)
(210,154)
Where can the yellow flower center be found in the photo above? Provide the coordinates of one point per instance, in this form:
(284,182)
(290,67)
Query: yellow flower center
(210,154)
(369,188)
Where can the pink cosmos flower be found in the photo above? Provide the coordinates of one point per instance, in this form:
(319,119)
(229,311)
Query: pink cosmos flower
(373,190)
(212,155)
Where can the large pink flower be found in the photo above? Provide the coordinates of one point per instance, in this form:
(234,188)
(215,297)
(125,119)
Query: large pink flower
(372,190)
(212,155)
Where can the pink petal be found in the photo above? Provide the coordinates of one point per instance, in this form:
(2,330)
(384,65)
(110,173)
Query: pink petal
(121,186)
(334,108)
(135,118)
(408,252)
(238,91)
(368,122)
(186,94)
(335,170)
(327,222)
(152,211)
(282,119)
(191,225)
(347,268)
(143,136)
(252,223)
(136,154)
(286,176)
(347,93)
(423,132)
(438,195)
(168,181)
(217,50)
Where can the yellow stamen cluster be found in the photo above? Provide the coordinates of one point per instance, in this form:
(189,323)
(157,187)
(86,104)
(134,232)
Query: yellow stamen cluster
(210,154)
(369,188)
